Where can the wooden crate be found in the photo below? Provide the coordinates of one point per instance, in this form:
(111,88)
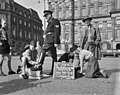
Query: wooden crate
(63,70)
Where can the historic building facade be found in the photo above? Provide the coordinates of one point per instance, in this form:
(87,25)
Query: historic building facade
(24,24)
(105,14)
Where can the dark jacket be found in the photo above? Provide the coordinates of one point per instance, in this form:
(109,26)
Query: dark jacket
(53,32)
(65,57)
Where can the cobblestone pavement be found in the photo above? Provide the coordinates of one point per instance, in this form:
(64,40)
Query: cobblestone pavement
(13,85)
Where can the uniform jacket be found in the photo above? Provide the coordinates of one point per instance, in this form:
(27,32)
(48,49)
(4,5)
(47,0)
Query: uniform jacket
(83,37)
(53,32)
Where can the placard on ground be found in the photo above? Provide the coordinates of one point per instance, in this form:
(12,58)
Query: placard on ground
(64,70)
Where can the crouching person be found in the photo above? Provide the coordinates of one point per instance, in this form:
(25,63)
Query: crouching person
(30,61)
(93,70)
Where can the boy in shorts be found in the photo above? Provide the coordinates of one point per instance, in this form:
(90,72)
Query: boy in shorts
(30,60)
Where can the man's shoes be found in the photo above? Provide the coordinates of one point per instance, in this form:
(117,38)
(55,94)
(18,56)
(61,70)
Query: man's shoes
(11,72)
(19,70)
(2,74)
(24,76)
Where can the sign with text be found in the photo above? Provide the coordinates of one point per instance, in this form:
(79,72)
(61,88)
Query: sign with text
(64,70)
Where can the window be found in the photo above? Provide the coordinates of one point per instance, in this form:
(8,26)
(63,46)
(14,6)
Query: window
(60,10)
(60,14)
(118,34)
(21,33)
(29,17)
(104,36)
(76,10)
(3,6)
(29,35)
(52,6)
(118,21)
(92,1)
(20,21)
(25,34)
(68,10)
(37,37)
(76,32)
(35,26)
(13,9)
(34,36)
(20,12)
(25,23)
(83,1)
(68,13)
(109,25)
(100,10)
(100,25)
(25,15)
(109,35)
(14,19)
(14,31)
(28,24)
(91,11)
(118,4)
(6,5)
(83,12)
(67,28)
(66,37)
(39,28)
(67,32)
(101,0)
(108,8)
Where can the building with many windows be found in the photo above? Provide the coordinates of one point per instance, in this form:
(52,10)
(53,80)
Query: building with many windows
(105,14)
(24,24)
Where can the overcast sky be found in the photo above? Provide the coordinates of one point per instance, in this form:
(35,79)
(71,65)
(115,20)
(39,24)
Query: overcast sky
(34,4)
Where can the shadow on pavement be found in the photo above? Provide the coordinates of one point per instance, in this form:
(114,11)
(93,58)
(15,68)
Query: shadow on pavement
(18,85)
(78,75)
(110,71)
(113,70)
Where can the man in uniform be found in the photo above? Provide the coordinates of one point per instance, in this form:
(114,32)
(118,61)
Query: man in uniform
(51,38)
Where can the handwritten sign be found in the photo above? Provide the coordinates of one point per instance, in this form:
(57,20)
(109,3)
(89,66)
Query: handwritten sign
(64,70)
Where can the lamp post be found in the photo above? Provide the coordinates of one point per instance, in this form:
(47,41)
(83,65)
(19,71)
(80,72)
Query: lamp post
(65,42)
(44,5)
(44,18)
(111,43)
(66,45)
(72,18)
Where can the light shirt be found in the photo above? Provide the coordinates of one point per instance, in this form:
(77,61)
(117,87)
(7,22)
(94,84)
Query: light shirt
(31,55)
(90,35)
(85,55)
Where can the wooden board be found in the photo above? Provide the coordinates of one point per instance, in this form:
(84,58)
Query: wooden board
(63,70)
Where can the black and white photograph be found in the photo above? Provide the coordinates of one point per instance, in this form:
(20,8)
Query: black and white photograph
(59,47)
